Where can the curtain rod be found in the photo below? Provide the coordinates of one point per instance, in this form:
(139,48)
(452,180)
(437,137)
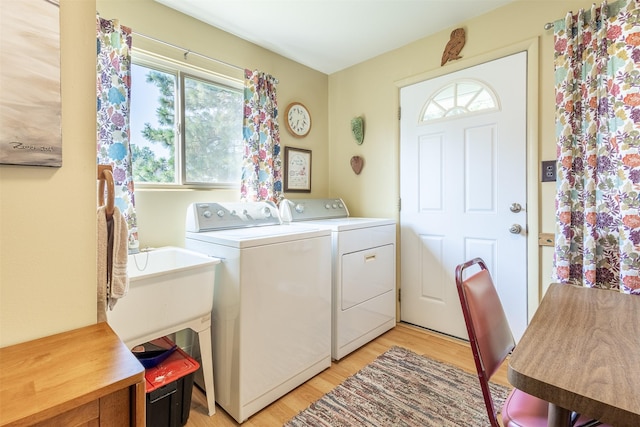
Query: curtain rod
(614,8)
(187,51)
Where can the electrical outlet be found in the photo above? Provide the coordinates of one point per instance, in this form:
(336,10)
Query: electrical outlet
(548,171)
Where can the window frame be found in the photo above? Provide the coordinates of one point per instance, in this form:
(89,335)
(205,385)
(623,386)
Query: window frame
(181,70)
(455,83)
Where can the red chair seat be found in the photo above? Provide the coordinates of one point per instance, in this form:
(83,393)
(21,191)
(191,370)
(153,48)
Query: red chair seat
(523,410)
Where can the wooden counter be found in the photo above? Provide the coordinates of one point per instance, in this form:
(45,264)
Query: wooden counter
(84,377)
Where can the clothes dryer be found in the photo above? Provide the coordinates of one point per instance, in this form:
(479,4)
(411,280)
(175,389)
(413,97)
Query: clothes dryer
(363,270)
(272,307)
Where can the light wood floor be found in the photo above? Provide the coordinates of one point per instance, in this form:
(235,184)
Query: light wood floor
(435,346)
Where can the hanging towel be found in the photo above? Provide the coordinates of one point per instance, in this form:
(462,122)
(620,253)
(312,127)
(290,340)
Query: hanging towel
(103,244)
(119,283)
(112,280)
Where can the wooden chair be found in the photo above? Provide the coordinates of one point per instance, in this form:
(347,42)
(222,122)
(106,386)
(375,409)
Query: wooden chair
(491,342)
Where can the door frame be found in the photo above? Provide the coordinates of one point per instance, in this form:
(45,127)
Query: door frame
(534,288)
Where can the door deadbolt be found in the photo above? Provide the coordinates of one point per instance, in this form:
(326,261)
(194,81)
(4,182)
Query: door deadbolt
(515,207)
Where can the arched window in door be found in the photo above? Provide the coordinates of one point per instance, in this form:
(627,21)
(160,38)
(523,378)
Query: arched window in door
(462,97)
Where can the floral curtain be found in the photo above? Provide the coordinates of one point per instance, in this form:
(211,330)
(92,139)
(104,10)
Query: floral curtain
(597,72)
(262,164)
(113,90)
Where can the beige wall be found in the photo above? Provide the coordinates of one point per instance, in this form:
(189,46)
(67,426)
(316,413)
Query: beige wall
(371,89)
(47,216)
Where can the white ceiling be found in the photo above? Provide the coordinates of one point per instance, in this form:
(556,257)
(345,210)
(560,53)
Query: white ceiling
(331,35)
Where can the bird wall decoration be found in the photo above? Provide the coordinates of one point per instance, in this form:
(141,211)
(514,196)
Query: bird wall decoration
(454,46)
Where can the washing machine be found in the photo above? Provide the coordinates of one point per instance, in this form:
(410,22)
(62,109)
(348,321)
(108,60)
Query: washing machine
(363,270)
(271,317)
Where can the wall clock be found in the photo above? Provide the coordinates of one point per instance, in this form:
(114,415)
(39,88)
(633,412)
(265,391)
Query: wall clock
(298,119)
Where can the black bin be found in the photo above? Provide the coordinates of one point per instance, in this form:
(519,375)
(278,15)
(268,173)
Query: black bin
(169,388)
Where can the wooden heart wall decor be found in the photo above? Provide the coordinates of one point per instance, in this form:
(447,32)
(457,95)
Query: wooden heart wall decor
(357,163)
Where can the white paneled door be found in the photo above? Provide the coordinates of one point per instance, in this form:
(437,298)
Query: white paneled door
(463,190)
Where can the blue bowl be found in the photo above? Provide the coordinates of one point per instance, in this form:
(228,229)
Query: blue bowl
(149,359)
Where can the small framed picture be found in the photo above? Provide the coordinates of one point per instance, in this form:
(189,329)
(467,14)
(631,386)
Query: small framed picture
(297,177)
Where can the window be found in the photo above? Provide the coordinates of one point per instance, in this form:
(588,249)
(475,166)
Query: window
(186,125)
(458,98)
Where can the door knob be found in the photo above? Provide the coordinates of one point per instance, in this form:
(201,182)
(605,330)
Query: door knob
(515,229)
(515,207)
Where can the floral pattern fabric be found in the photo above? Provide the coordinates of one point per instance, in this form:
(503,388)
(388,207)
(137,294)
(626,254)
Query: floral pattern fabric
(262,164)
(113,93)
(597,72)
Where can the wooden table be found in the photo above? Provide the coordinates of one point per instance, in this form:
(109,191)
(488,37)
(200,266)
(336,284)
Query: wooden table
(581,352)
(86,376)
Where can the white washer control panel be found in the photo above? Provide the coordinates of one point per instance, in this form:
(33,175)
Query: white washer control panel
(220,215)
(311,209)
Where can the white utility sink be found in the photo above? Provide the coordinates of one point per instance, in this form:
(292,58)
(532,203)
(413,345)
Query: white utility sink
(170,289)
